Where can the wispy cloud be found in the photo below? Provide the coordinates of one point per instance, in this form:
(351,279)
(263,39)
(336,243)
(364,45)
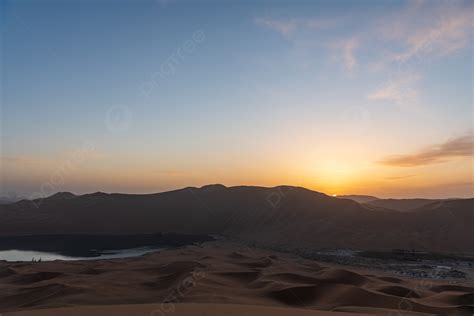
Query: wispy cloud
(170,173)
(401,90)
(349,48)
(303,30)
(87,151)
(400,177)
(423,30)
(20,160)
(397,42)
(286,27)
(454,148)
(345,50)
(427,28)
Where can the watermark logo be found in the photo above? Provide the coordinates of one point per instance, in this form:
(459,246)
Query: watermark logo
(118,118)
(171,63)
(168,304)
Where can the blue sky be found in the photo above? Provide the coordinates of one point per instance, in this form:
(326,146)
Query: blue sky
(173,93)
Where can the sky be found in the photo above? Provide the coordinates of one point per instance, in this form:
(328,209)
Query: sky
(342,97)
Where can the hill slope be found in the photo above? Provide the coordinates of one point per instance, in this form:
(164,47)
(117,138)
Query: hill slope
(401,205)
(359,198)
(290,216)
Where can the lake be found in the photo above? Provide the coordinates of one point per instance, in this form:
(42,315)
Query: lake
(26,255)
(90,247)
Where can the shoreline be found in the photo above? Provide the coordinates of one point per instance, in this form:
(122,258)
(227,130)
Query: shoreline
(93,245)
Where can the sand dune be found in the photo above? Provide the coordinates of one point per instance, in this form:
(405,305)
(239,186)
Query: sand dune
(220,274)
(289,216)
(181,309)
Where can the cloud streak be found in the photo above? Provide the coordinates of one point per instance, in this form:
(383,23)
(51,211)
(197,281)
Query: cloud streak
(284,27)
(400,177)
(346,49)
(397,42)
(287,27)
(400,90)
(454,148)
(349,48)
(429,29)
(20,160)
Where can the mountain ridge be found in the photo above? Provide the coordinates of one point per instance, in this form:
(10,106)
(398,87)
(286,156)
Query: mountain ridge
(283,215)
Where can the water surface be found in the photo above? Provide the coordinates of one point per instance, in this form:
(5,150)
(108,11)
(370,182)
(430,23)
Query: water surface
(26,255)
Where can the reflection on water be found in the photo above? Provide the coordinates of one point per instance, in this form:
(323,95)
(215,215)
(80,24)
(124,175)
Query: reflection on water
(24,255)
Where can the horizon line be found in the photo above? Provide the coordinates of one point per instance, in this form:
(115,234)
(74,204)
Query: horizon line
(38,195)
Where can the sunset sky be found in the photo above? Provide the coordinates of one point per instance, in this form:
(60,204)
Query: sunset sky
(362,97)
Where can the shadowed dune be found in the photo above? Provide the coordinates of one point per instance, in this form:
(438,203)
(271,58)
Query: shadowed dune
(396,290)
(36,277)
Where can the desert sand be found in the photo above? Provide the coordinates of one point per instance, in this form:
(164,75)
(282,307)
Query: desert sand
(178,310)
(183,309)
(213,279)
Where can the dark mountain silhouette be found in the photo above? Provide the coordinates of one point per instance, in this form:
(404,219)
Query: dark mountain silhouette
(284,215)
